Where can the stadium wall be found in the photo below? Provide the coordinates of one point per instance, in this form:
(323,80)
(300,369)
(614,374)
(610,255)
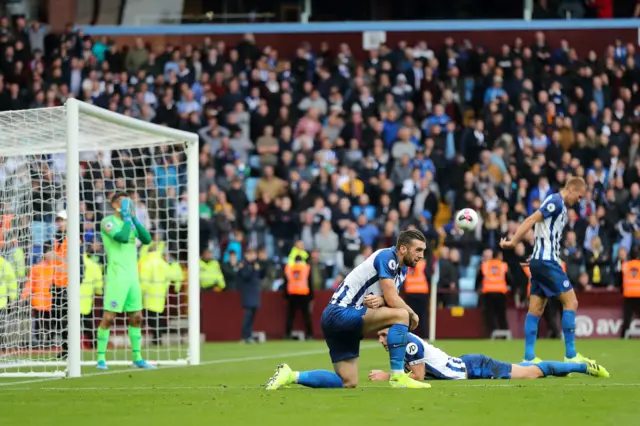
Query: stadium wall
(582,34)
(600,316)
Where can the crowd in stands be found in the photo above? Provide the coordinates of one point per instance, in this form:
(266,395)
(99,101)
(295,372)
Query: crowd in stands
(328,157)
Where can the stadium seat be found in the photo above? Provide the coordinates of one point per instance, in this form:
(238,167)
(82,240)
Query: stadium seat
(254,162)
(468,297)
(250,188)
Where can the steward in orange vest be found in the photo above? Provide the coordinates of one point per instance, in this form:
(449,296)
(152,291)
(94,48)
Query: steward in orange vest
(297,278)
(631,279)
(491,282)
(630,291)
(416,280)
(494,276)
(38,287)
(416,289)
(299,294)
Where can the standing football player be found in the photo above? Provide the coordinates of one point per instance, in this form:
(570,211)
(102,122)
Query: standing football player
(548,279)
(346,319)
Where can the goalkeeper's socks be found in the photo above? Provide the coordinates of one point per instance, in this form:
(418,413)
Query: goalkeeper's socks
(561,369)
(103,342)
(135,337)
(319,379)
(397,343)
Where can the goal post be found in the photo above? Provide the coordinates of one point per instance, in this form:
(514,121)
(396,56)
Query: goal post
(52,154)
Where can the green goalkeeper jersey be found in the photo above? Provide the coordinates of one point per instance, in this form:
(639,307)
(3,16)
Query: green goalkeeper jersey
(120,247)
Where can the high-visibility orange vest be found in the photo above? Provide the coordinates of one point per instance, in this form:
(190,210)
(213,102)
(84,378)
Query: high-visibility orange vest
(527,272)
(5,226)
(38,287)
(416,281)
(631,278)
(297,279)
(494,276)
(61,275)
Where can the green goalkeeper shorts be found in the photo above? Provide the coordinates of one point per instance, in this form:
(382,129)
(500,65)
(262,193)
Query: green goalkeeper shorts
(122,296)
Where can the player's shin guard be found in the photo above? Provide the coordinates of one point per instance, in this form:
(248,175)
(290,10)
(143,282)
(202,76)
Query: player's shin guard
(397,343)
(556,368)
(569,331)
(103,342)
(319,379)
(530,335)
(135,337)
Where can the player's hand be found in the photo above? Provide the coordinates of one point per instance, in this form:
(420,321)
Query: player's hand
(125,208)
(414,320)
(378,375)
(507,244)
(373,302)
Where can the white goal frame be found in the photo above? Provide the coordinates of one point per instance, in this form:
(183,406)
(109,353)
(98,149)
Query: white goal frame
(73,110)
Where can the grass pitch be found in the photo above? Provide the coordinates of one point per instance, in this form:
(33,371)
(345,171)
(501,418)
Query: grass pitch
(228,389)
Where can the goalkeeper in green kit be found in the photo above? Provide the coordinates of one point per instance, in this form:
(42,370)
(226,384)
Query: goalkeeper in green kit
(122,290)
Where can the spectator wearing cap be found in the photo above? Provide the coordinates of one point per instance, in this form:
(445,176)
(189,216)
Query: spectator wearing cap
(494,92)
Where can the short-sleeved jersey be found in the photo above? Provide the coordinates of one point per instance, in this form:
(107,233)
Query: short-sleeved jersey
(365,279)
(548,233)
(438,365)
(122,258)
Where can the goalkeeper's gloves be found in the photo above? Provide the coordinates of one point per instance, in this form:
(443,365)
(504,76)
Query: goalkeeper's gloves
(125,209)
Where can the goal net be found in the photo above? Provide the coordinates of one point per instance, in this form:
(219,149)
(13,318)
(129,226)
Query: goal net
(59,168)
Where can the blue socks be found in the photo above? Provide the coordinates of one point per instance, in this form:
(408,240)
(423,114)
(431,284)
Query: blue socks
(397,343)
(320,379)
(569,330)
(560,369)
(530,335)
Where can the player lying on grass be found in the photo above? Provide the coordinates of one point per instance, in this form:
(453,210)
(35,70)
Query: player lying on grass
(347,318)
(425,361)
(122,291)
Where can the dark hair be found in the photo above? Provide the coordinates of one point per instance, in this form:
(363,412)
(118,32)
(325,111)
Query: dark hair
(407,237)
(117,196)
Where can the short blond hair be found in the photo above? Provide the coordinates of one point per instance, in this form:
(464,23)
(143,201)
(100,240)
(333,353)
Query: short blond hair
(575,182)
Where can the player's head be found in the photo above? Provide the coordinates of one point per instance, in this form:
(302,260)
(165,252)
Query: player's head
(574,190)
(410,247)
(116,199)
(382,338)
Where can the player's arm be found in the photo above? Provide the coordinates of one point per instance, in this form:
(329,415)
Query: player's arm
(524,227)
(417,371)
(120,234)
(143,234)
(385,267)
(391,296)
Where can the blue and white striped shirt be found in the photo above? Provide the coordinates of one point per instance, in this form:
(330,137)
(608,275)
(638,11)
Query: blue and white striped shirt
(438,365)
(548,233)
(365,279)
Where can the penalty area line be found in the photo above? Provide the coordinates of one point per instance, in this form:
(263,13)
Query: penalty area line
(205,363)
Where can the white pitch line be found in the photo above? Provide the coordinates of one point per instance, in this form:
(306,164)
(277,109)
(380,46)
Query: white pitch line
(211,362)
(458,384)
